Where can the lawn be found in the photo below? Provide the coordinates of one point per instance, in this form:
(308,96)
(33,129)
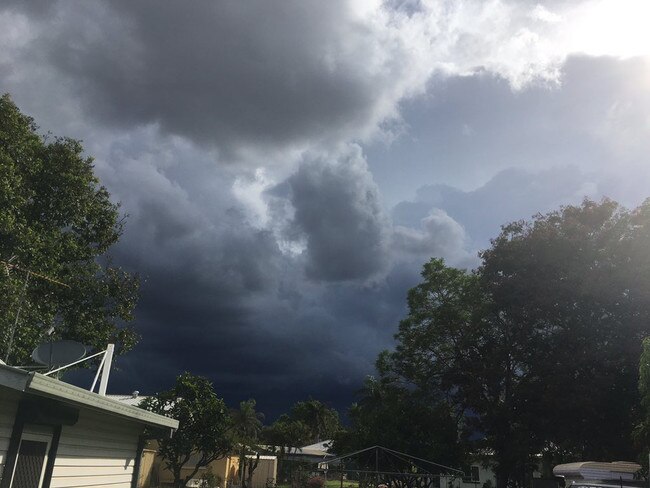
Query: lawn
(331,484)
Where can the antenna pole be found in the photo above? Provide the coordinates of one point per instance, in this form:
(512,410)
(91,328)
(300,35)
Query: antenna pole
(99,371)
(106,370)
(72,364)
(13,329)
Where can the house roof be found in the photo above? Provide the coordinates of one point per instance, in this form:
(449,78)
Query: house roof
(133,399)
(45,386)
(322,446)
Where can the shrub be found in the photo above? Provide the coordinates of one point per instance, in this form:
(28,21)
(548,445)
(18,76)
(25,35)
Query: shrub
(316,482)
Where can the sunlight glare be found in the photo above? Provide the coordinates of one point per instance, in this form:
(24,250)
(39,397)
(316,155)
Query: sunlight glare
(611,28)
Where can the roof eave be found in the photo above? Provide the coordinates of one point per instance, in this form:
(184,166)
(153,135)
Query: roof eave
(41,385)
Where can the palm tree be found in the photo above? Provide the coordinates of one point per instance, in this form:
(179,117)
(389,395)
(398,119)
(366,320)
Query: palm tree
(322,421)
(247,426)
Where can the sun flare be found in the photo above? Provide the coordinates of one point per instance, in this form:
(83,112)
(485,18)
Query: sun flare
(611,28)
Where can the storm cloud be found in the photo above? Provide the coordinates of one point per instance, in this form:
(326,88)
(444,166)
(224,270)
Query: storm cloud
(337,208)
(287,167)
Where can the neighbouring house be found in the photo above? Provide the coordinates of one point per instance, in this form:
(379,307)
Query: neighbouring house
(226,470)
(56,435)
(317,453)
(481,474)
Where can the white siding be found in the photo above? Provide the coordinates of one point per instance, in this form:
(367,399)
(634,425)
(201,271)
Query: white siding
(97,451)
(8,406)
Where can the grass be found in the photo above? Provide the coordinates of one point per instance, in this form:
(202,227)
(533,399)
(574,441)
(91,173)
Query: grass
(331,484)
(337,484)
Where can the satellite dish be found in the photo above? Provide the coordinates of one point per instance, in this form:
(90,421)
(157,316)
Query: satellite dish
(59,353)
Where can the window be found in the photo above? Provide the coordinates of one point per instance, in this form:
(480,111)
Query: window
(471,475)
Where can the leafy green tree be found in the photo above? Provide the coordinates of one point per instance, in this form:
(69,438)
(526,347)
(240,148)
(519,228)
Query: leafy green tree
(538,347)
(391,416)
(247,426)
(283,436)
(323,422)
(642,429)
(575,282)
(56,225)
(204,431)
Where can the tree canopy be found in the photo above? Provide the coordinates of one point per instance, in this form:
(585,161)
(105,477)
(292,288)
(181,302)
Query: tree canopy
(56,225)
(246,428)
(204,431)
(391,416)
(538,348)
(321,421)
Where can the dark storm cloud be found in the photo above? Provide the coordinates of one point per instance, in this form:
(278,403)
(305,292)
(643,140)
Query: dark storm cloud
(226,73)
(287,283)
(337,209)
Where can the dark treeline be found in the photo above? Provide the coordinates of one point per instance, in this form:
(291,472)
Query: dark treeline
(535,352)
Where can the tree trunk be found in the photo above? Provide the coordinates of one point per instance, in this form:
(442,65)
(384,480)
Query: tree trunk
(502,476)
(178,481)
(251,468)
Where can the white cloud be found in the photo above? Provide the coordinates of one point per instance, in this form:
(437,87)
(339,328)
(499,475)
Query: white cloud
(439,235)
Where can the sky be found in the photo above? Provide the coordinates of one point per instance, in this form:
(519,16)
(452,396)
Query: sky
(287,167)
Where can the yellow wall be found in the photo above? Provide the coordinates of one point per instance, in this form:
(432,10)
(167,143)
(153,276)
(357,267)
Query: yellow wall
(220,467)
(154,472)
(146,468)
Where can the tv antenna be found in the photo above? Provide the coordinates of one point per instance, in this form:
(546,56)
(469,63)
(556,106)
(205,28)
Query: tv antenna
(28,274)
(66,352)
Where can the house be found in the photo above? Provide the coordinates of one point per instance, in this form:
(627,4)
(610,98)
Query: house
(225,470)
(313,453)
(154,473)
(56,435)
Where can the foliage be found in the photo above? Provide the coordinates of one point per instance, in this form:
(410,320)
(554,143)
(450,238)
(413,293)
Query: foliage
(56,220)
(247,426)
(323,422)
(391,416)
(204,425)
(246,422)
(537,348)
(642,429)
(285,434)
(210,480)
(316,482)
(308,422)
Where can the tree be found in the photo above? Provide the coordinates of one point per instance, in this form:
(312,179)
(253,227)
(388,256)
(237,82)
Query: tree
(285,435)
(204,426)
(56,225)
(247,426)
(576,282)
(322,421)
(642,429)
(391,416)
(538,347)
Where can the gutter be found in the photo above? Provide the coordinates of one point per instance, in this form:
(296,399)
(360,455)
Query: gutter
(38,384)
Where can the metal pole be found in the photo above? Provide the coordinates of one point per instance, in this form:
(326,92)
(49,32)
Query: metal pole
(13,329)
(106,370)
(377,466)
(99,371)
